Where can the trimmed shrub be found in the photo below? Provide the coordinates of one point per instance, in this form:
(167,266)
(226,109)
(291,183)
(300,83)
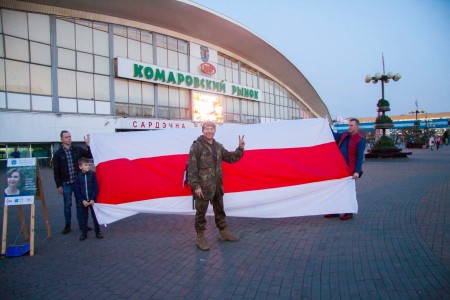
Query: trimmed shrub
(384,143)
(383,102)
(383,119)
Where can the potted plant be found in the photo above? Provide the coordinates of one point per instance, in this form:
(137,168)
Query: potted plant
(384,142)
(383,105)
(383,122)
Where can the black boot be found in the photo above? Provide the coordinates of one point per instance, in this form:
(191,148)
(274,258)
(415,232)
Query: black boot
(66,229)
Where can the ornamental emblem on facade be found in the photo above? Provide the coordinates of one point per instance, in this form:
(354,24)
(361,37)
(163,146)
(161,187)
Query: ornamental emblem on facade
(208,68)
(204,53)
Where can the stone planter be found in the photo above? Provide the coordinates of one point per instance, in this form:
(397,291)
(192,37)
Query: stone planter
(383,108)
(411,145)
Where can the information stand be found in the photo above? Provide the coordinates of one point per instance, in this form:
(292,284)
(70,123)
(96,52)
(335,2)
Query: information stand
(22,223)
(24,186)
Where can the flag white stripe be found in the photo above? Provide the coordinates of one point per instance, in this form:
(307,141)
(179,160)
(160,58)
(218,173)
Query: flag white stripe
(283,134)
(332,196)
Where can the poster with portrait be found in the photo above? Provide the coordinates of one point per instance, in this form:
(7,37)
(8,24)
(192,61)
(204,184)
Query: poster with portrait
(20,186)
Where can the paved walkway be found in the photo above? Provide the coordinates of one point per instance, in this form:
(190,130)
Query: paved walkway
(397,247)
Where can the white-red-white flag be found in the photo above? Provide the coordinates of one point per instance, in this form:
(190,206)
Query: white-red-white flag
(289,168)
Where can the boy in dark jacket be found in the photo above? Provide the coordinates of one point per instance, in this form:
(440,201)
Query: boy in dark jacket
(86,190)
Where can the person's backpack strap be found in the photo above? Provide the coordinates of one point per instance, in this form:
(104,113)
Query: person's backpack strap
(197,155)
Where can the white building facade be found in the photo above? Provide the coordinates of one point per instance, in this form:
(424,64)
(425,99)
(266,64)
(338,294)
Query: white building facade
(82,67)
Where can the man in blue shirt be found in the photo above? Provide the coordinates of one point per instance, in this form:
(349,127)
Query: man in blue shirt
(15,153)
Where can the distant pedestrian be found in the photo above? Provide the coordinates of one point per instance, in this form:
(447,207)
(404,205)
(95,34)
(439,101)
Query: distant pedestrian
(15,153)
(205,177)
(86,191)
(352,145)
(431,142)
(65,170)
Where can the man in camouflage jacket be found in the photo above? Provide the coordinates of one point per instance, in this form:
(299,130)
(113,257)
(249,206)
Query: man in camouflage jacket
(205,177)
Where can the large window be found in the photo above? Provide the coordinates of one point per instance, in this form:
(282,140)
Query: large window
(277,103)
(133,43)
(83,66)
(249,111)
(138,45)
(41,151)
(25,61)
(173,103)
(232,111)
(268,104)
(171,52)
(134,98)
(249,76)
(227,69)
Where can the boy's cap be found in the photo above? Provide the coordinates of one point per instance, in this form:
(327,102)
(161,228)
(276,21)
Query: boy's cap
(208,124)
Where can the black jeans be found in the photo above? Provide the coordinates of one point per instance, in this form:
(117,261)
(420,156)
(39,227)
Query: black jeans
(85,216)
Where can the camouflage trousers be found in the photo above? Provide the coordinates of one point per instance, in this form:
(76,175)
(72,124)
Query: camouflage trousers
(201,206)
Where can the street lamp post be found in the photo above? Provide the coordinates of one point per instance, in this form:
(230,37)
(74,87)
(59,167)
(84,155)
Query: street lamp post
(384,78)
(384,145)
(417,123)
(383,122)
(418,134)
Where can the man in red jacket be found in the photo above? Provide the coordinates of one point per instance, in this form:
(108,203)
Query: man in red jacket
(352,145)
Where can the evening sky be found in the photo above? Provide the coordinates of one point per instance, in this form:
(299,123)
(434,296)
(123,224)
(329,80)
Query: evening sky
(335,43)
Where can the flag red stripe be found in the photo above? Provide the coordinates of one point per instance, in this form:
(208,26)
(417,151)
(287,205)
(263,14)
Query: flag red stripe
(124,180)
